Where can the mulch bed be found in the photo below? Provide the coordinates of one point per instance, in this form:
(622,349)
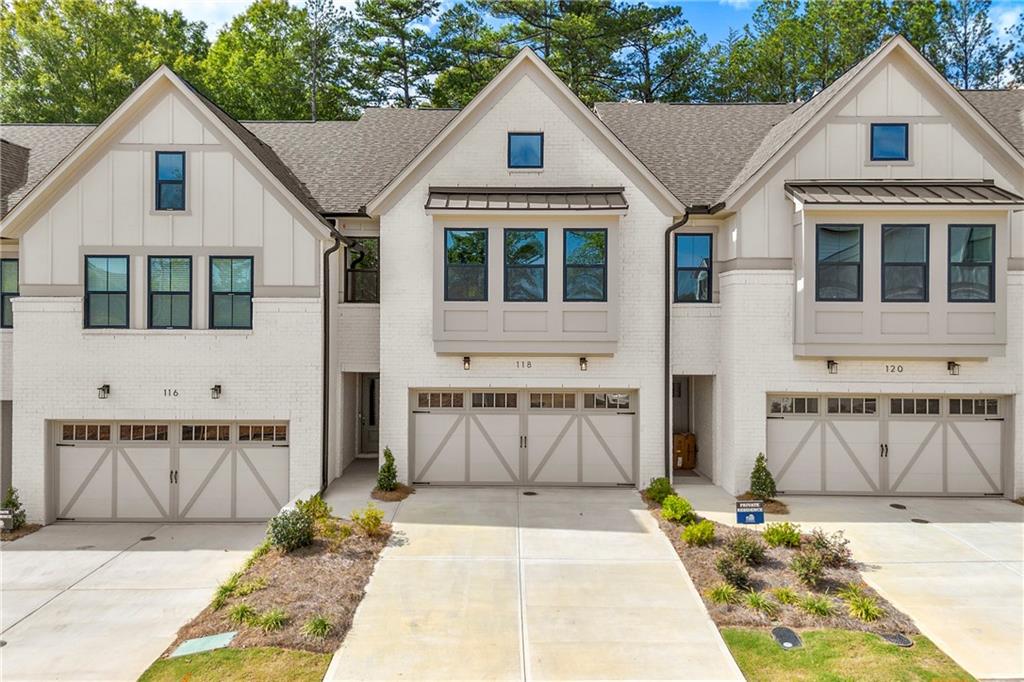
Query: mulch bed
(308,582)
(12,535)
(774,572)
(770,506)
(397,495)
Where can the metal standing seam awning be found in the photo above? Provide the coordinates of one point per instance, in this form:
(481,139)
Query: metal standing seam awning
(902,193)
(526,199)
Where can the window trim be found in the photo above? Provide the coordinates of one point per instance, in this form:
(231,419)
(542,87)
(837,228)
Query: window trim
(485,264)
(926,263)
(252,287)
(949,266)
(157,182)
(127,290)
(565,266)
(710,268)
(906,142)
(505,265)
(508,149)
(151,293)
(817,264)
(349,270)
(4,295)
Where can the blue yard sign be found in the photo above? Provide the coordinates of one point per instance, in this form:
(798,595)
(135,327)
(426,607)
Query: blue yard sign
(750,511)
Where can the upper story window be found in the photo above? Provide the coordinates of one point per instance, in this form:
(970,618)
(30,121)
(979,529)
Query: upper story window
(526,265)
(362,271)
(465,265)
(693,268)
(890,142)
(839,259)
(586,265)
(526,150)
(106,292)
(170,181)
(904,263)
(972,263)
(8,290)
(230,292)
(170,292)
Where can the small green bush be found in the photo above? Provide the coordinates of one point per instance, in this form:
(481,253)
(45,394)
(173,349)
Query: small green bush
(834,548)
(747,548)
(762,485)
(865,608)
(818,606)
(335,532)
(12,502)
(762,604)
(734,572)
(257,554)
(808,566)
(369,520)
(785,596)
(290,530)
(272,620)
(387,475)
(658,490)
(851,591)
(317,627)
(678,510)
(783,534)
(724,593)
(225,591)
(315,508)
(699,534)
(242,614)
(250,586)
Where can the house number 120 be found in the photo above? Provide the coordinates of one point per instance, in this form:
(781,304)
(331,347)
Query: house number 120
(894,369)
(524,364)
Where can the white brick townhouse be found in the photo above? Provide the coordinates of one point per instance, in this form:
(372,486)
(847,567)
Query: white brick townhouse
(203,318)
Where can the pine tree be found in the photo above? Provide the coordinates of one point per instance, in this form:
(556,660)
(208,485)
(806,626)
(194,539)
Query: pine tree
(762,485)
(387,475)
(12,503)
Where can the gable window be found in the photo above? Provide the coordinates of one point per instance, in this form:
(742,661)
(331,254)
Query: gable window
(971,263)
(890,142)
(8,290)
(839,255)
(230,292)
(362,271)
(586,265)
(106,292)
(526,269)
(904,263)
(170,181)
(693,268)
(170,292)
(526,150)
(465,265)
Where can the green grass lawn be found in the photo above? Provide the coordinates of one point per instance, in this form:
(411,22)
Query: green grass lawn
(240,665)
(835,655)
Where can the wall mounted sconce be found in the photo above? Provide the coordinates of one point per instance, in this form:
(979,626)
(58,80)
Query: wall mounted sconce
(103,392)
(833,367)
(465,362)
(953,368)
(215,392)
(583,364)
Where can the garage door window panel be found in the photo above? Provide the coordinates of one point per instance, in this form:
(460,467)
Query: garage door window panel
(904,263)
(986,407)
(553,401)
(8,290)
(143,432)
(852,405)
(106,292)
(231,292)
(586,265)
(526,265)
(85,432)
(793,405)
(840,253)
(499,400)
(263,433)
(440,399)
(972,263)
(465,265)
(205,432)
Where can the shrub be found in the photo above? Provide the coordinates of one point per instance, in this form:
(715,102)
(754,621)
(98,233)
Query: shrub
(317,627)
(785,595)
(273,620)
(242,614)
(724,593)
(290,530)
(658,490)
(762,604)
(762,484)
(335,532)
(834,548)
(817,606)
(747,548)
(783,534)
(733,571)
(850,591)
(863,607)
(387,475)
(257,554)
(315,508)
(699,534)
(808,567)
(12,502)
(370,520)
(678,510)
(225,591)
(250,586)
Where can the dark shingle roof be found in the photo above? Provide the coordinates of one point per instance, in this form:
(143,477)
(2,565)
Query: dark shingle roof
(46,145)
(1004,109)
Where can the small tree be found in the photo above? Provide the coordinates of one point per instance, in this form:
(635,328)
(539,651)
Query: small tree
(13,503)
(387,476)
(762,485)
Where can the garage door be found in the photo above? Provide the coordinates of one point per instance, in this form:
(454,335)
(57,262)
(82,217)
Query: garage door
(533,437)
(897,444)
(170,471)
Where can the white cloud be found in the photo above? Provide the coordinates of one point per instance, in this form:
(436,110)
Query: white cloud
(736,4)
(1004,19)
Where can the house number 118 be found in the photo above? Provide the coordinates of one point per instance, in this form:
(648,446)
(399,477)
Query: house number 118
(524,364)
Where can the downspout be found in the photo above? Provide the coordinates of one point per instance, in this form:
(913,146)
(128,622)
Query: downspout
(325,430)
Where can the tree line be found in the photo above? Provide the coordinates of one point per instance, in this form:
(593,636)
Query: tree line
(76,60)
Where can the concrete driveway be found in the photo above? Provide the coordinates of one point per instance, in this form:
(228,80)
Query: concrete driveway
(492,584)
(960,576)
(85,601)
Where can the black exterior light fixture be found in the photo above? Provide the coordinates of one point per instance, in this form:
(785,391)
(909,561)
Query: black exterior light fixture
(833,367)
(465,362)
(953,368)
(215,392)
(583,364)
(103,392)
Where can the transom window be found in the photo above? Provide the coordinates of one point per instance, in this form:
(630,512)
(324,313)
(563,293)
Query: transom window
(838,405)
(553,401)
(839,256)
(143,432)
(465,265)
(85,432)
(170,181)
(526,265)
(890,142)
(362,271)
(904,263)
(526,150)
(586,265)
(610,401)
(501,400)
(231,292)
(988,407)
(106,292)
(8,290)
(784,404)
(170,292)
(205,432)
(913,406)
(263,433)
(971,263)
(693,268)
(440,399)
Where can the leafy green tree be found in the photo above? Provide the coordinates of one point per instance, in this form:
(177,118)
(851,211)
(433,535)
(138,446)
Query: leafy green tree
(470,52)
(325,61)
(974,55)
(1016,57)
(838,34)
(730,62)
(918,21)
(396,54)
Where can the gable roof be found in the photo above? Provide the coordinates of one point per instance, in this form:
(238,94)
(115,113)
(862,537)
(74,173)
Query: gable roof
(1004,109)
(45,146)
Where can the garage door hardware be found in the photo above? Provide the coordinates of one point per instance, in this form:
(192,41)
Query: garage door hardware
(920,521)
(896,638)
(80,546)
(896,505)
(174,475)
(147,538)
(883,450)
(529,493)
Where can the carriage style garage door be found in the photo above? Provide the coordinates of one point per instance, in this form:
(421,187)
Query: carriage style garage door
(899,444)
(533,437)
(170,471)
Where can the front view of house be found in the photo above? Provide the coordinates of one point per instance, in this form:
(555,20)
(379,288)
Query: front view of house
(204,318)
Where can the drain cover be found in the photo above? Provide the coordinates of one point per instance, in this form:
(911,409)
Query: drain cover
(896,638)
(787,639)
(147,538)
(896,505)
(529,493)
(920,520)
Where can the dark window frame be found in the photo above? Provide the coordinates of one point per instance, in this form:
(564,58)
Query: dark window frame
(252,287)
(508,150)
(158,182)
(710,268)
(817,264)
(349,289)
(949,265)
(180,294)
(505,265)
(127,291)
(485,265)
(4,295)
(566,266)
(926,264)
(906,141)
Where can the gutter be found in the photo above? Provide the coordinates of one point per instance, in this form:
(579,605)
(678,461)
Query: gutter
(326,387)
